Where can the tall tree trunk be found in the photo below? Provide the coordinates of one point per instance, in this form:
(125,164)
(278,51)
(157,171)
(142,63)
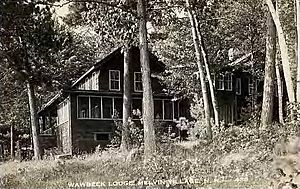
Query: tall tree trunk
(210,82)
(125,141)
(268,94)
(298,48)
(279,87)
(148,105)
(201,71)
(284,52)
(34,120)
(278,77)
(12,151)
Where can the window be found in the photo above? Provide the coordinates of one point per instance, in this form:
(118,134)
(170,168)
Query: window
(95,107)
(258,86)
(158,109)
(220,83)
(137,104)
(168,109)
(83,107)
(250,86)
(164,109)
(114,80)
(228,82)
(176,109)
(238,86)
(138,85)
(102,136)
(107,106)
(118,107)
(137,108)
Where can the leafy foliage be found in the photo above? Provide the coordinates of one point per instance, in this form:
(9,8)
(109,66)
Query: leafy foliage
(113,25)
(224,25)
(35,47)
(29,40)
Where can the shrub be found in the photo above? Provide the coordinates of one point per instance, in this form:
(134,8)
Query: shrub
(135,132)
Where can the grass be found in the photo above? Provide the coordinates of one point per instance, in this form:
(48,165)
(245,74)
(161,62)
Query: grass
(237,158)
(111,166)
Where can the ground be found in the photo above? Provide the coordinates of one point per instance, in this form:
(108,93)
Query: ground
(237,158)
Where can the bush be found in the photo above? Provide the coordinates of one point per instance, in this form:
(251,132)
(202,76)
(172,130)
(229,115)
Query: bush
(237,156)
(136,132)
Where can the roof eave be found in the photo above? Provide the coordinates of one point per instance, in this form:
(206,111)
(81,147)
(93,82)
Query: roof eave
(97,65)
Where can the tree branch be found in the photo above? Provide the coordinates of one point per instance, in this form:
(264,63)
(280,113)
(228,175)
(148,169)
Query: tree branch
(125,9)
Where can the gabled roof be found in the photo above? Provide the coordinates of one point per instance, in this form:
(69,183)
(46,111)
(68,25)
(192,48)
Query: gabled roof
(248,62)
(51,101)
(98,64)
(108,57)
(240,60)
(113,53)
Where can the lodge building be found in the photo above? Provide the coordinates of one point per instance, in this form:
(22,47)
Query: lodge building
(82,117)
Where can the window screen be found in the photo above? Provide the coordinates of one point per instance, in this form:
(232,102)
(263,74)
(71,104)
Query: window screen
(107,107)
(138,86)
(114,80)
(83,107)
(96,107)
(158,112)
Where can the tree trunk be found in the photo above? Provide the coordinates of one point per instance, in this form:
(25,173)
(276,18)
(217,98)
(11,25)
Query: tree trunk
(148,105)
(210,82)
(279,87)
(34,120)
(125,141)
(284,52)
(298,49)
(268,94)
(201,72)
(12,151)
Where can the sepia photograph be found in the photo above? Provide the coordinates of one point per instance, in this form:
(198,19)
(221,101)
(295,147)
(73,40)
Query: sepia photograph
(149,94)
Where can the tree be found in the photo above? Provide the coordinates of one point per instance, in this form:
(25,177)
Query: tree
(220,25)
(100,18)
(201,71)
(298,49)
(268,93)
(121,32)
(148,105)
(283,52)
(33,119)
(29,41)
(13,107)
(126,99)
(12,153)
(210,81)
(279,89)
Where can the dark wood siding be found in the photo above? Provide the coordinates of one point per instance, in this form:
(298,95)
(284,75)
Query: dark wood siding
(116,63)
(83,130)
(64,138)
(87,132)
